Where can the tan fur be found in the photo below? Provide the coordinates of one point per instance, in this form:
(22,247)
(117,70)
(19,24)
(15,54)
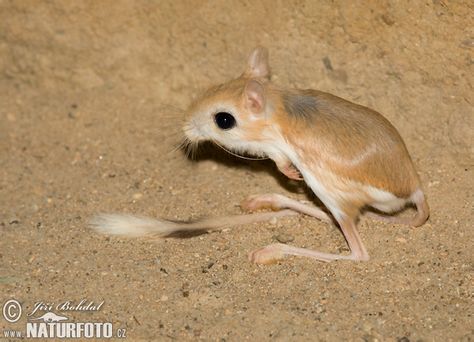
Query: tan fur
(349,140)
(349,155)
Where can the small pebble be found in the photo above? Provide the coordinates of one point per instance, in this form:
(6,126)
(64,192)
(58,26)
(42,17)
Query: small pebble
(327,63)
(284,238)
(137,196)
(403,339)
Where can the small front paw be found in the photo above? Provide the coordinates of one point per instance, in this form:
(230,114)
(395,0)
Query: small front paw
(290,171)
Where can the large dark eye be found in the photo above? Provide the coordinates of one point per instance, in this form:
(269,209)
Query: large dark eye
(224,120)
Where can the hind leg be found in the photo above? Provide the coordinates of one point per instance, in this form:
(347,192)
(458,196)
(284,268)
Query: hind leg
(279,202)
(278,251)
(423,212)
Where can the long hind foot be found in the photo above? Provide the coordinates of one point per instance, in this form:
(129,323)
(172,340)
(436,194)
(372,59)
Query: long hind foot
(278,202)
(273,253)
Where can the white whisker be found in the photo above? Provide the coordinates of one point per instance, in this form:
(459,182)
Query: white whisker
(238,155)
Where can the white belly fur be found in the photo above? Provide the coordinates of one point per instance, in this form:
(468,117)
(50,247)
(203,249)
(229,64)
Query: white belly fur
(385,201)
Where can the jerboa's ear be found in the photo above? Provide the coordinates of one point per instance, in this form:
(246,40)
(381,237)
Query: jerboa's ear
(258,64)
(254,96)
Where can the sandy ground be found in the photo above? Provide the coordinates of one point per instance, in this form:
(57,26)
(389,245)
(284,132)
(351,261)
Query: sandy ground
(92,96)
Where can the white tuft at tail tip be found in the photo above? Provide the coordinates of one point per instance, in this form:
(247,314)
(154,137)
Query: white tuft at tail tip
(131,226)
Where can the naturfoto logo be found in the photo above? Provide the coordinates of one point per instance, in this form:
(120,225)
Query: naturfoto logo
(49,320)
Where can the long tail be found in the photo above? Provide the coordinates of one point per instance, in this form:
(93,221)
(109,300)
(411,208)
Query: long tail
(134,226)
